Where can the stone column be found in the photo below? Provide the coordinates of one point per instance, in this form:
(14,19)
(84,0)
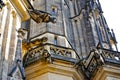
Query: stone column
(5,45)
(13,39)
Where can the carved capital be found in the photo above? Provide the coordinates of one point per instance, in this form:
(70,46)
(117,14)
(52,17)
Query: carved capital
(20,33)
(13,13)
(8,5)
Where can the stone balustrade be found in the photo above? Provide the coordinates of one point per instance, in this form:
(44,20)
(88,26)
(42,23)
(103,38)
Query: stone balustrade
(98,58)
(50,51)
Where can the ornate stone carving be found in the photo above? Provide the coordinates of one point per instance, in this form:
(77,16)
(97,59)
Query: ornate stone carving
(41,16)
(110,56)
(97,58)
(48,51)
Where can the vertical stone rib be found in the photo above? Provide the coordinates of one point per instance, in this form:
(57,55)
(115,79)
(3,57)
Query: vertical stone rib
(5,44)
(2,24)
(5,34)
(12,40)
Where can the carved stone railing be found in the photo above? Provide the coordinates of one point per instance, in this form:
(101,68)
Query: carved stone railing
(109,56)
(49,52)
(97,58)
(90,65)
(33,55)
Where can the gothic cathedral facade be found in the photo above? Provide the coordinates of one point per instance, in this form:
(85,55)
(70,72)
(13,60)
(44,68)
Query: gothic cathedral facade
(56,40)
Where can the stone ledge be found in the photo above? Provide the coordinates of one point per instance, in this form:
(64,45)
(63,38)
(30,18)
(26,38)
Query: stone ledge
(41,68)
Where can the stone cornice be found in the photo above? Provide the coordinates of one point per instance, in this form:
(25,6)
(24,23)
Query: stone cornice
(107,71)
(41,68)
(20,9)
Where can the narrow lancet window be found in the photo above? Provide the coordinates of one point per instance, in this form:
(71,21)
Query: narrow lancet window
(54,11)
(55,40)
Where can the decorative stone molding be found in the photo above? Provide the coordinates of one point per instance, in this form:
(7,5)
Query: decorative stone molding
(13,13)
(20,9)
(98,58)
(49,52)
(41,16)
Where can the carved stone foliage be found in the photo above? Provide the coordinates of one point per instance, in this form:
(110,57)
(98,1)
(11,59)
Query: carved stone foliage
(91,64)
(35,55)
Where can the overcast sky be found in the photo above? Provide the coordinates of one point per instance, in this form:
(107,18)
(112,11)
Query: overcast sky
(111,9)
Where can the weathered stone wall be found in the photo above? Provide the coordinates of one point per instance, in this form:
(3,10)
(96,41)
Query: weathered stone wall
(35,28)
(75,29)
(10,22)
